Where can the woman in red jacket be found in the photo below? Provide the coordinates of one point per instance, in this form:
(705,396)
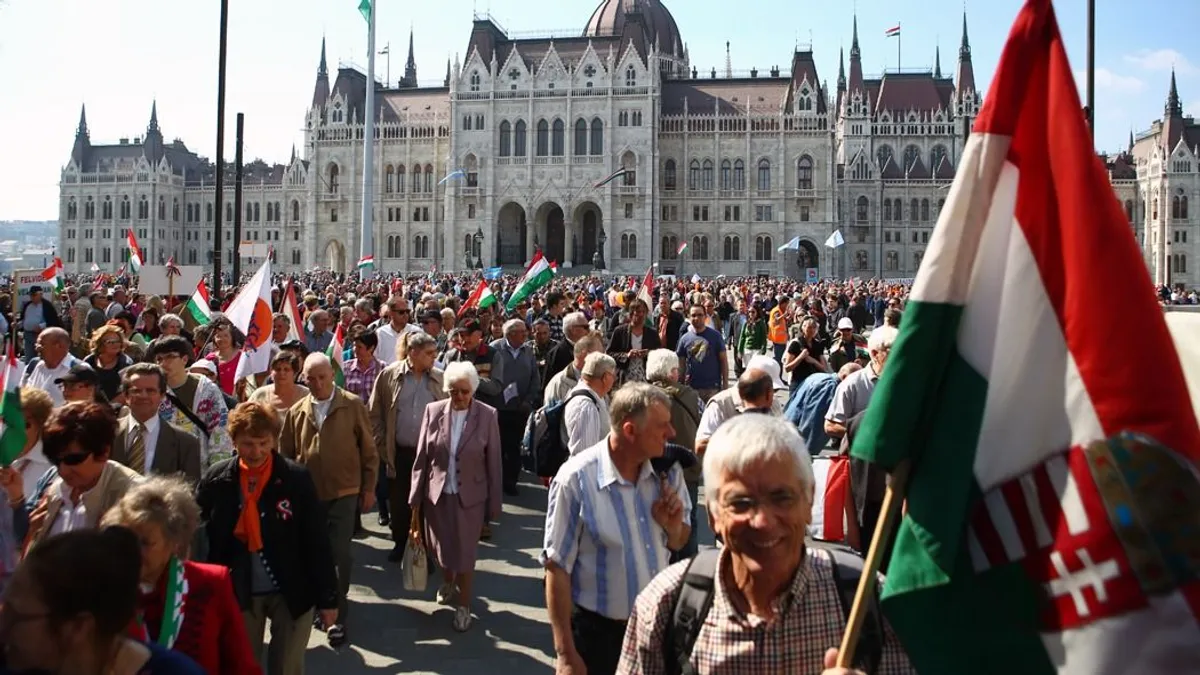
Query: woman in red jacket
(185,606)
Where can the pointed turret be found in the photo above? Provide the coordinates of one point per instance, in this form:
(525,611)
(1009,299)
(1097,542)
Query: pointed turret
(841,81)
(83,143)
(965,81)
(153,116)
(1173,108)
(937,61)
(447,82)
(856,74)
(152,144)
(410,67)
(321,89)
(293,159)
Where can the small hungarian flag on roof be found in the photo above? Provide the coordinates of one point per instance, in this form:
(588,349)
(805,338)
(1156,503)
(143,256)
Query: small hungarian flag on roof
(615,175)
(336,355)
(52,276)
(367,262)
(894,31)
(12,422)
(197,307)
(1048,472)
(481,297)
(136,258)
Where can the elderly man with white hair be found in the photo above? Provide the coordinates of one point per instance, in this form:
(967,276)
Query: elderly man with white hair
(575,326)
(515,370)
(561,384)
(854,393)
(329,431)
(767,587)
(585,419)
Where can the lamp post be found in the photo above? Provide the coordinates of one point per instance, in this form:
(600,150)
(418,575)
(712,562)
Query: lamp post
(598,256)
(477,239)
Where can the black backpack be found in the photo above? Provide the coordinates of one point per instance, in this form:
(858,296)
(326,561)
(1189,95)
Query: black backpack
(695,595)
(543,447)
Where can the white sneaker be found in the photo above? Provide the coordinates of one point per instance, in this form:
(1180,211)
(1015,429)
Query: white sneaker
(446,593)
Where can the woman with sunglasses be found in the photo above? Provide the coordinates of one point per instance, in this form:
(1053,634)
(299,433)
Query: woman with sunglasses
(68,605)
(76,440)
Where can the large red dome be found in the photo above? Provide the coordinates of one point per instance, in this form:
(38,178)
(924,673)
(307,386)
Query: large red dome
(609,19)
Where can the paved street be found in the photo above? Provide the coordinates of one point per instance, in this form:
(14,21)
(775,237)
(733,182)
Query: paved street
(394,631)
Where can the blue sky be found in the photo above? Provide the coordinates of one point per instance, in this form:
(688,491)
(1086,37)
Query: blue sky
(119,55)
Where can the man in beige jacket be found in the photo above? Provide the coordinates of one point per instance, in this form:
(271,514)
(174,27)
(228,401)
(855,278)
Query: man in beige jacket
(329,432)
(398,403)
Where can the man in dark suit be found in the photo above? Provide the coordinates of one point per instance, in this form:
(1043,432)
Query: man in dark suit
(144,442)
(667,322)
(575,326)
(37,314)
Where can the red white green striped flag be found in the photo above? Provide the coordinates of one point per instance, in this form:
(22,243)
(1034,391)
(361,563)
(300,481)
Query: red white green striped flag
(682,248)
(136,258)
(1030,508)
(197,306)
(481,297)
(53,276)
(613,176)
(335,352)
(539,274)
(12,421)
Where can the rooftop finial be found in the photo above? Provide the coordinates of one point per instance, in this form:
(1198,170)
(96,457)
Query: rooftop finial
(153,116)
(728,61)
(322,69)
(1173,107)
(937,61)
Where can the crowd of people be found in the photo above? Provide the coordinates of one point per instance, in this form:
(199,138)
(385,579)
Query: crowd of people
(202,503)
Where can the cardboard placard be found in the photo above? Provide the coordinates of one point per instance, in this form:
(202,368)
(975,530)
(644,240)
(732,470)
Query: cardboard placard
(152,280)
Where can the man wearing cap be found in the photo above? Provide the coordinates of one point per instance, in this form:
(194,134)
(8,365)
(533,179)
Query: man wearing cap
(845,344)
(36,315)
(54,360)
(80,384)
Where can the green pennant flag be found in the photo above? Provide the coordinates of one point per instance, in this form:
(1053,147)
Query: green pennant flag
(365,8)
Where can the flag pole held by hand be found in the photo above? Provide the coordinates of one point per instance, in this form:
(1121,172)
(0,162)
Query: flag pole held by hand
(892,500)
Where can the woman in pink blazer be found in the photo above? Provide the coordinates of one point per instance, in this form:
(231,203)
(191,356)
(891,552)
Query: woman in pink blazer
(456,484)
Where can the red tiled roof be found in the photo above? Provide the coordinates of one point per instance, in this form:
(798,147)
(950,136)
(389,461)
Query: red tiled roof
(901,92)
(726,96)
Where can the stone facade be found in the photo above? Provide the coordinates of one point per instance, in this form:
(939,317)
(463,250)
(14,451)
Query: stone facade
(734,166)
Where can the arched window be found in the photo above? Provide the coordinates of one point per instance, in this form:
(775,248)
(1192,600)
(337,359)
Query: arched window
(295,210)
(597,136)
(669,175)
(89,210)
(1154,209)
(914,210)
(581,136)
(429,178)
(911,154)
(479,122)
(629,163)
(71,209)
(699,247)
(257,213)
(475,81)
(505,139)
(124,208)
(733,247)
(543,139)
(694,175)
(249,213)
(887,209)
(936,156)
(1183,208)
(764,174)
(1129,210)
(739,175)
(629,245)
(897,214)
(631,77)
(391,246)
(763,250)
(519,139)
(891,261)
(400,178)
(917,256)
(557,140)
(804,173)
(416,178)
(862,209)
(278,215)
(670,247)
(162,208)
(707,175)
(925,210)
(229,212)
(333,178)
(420,246)
(941,203)
(144,209)
(726,175)
(389,179)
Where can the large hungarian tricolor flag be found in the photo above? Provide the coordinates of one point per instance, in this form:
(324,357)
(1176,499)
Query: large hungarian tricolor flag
(336,354)
(481,297)
(1040,536)
(539,274)
(646,292)
(197,306)
(292,309)
(12,422)
(135,253)
(54,276)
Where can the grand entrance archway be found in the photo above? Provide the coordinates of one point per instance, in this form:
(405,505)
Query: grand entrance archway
(552,228)
(807,257)
(335,256)
(511,231)
(587,219)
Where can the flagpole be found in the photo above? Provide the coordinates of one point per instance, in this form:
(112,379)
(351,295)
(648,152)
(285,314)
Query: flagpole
(367,243)
(898,38)
(1091,68)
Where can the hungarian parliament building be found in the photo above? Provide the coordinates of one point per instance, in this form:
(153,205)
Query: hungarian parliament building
(512,153)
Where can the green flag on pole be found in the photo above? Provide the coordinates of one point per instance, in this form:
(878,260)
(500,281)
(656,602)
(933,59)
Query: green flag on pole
(365,8)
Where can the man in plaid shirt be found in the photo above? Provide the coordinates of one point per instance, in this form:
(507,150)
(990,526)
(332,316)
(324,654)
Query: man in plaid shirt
(776,606)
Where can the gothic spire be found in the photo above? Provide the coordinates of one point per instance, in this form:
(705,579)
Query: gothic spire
(854,52)
(965,80)
(293,159)
(322,69)
(841,81)
(79,153)
(152,144)
(964,50)
(410,67)
(937,61)
(321,88)
(447,82)
(1130,141)
(856,74)
(153,116)
(82,130)
(1173,107)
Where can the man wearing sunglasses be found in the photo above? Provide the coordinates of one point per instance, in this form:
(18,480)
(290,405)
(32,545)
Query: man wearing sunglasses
(398,324)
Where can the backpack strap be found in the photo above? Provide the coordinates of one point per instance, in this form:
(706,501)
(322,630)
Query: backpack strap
(691,607)
(188,413)
(32,364)
(847,570)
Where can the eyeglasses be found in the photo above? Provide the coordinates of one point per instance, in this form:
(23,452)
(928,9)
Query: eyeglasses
(107,343)
(402,311)
(743,507)
(71,460)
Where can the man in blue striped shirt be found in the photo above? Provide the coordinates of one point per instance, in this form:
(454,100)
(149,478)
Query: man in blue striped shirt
(611,525)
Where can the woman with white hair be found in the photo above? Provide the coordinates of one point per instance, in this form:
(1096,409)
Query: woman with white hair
(456,484)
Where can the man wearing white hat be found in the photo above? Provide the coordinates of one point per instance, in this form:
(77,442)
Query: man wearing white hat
(728,403)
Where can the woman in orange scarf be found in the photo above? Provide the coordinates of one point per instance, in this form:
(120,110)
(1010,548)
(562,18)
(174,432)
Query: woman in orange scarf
(265,523)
